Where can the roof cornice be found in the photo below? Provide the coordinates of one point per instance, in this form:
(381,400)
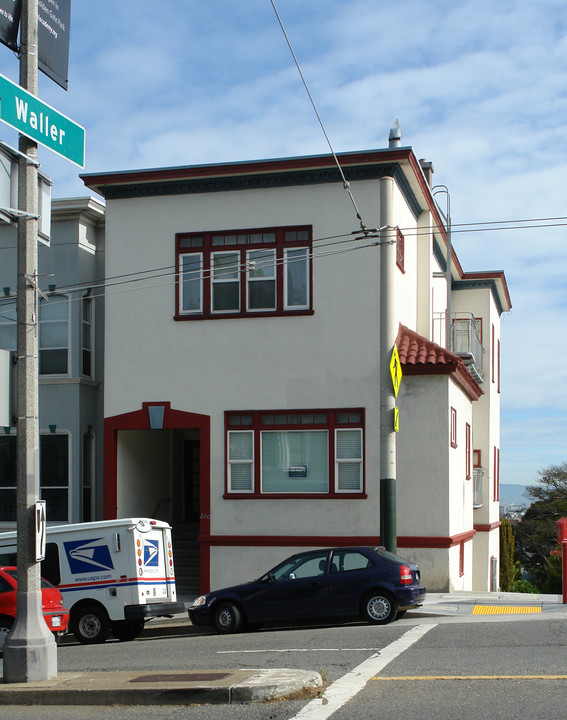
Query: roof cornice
(251,175)
(495,281)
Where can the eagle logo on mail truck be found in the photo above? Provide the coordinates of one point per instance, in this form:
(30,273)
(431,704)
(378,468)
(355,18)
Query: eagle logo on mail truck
(151,553)
(88,556)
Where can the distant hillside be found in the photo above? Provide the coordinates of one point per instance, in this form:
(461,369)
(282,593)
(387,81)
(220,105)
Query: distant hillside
(513,495)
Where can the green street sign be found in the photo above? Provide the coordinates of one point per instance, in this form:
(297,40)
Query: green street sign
(41,123)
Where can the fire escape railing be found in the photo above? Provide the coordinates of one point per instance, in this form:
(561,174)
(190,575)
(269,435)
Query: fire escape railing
(465,340)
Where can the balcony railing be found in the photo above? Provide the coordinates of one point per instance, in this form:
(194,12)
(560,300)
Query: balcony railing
(465,340)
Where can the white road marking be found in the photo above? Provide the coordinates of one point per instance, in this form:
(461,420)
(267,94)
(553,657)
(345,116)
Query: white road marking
(293,650)
(344,689)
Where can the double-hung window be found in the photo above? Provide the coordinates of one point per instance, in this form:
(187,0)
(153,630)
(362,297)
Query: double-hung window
(225,282)
(307,453)
(244,273)
(53,335)
(53,475)
(261,279)
(53,332)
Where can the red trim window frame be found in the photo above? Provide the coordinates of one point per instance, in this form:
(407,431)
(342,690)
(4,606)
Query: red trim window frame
(461,559)
(468,435)
(244,273)
(400,250)
(477,458)
(453,427)
(337,443)
(492,353)
(498,363)
(496,474)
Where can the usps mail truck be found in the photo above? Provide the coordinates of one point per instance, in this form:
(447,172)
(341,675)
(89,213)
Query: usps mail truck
(113,574)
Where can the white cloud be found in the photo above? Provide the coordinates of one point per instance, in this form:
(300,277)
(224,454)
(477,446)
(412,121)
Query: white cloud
(479,88)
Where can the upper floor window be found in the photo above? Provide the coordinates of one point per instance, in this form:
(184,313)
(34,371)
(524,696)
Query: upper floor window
(53,332)
(243,273)
(53,335)
(468,451)
(87,337)
(453,427)
(400,250)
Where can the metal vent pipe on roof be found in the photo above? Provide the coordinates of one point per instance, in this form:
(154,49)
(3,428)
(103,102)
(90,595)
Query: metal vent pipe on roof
(395,136)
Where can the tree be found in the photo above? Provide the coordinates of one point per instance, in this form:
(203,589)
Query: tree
(536,533)
(507,553)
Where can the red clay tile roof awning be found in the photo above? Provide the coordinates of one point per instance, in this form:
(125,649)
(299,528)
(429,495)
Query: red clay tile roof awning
(420,356)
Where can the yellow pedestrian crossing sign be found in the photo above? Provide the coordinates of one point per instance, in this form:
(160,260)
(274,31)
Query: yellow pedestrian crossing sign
(395,370)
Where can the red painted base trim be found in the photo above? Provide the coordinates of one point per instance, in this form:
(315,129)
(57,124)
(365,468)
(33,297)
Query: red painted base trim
(296,496)
(330,540)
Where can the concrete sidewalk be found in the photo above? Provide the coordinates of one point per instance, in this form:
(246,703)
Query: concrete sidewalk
(466,603)
(247,686)
(159,688)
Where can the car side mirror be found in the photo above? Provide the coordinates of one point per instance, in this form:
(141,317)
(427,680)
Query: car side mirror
(292,576)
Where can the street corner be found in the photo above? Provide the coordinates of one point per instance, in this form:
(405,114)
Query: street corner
(162,688)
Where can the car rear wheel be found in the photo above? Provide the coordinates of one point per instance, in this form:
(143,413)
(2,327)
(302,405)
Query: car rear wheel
(227,618)
(90,624)
(6,624)
(126,630)
(379,607)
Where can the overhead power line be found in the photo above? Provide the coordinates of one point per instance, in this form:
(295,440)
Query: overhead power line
(346,184)
(101,286)
(146,276)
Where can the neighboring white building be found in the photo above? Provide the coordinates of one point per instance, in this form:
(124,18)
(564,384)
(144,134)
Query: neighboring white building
(242,361)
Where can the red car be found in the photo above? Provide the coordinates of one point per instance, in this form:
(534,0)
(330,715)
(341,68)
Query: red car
(56,616)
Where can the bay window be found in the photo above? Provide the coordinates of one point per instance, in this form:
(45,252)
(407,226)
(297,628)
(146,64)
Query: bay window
(243,273)
(53,332)
(295,453)
(53,476)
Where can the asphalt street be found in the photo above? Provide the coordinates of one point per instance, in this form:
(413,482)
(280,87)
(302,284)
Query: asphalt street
(444,661)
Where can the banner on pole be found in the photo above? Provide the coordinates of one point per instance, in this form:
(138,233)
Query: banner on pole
(10,22)
(54,17)
(53,20)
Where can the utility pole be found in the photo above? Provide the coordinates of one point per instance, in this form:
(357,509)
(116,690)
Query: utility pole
(30,652)
(447,217)
(388,519)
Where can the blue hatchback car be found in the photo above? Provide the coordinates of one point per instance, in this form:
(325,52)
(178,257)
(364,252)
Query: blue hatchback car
(348,582)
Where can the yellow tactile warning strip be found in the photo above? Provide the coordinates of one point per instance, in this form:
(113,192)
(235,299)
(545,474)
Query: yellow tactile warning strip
(480,609)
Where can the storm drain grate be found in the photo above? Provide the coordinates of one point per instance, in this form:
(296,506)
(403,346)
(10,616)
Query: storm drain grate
(505,609)
(180,677)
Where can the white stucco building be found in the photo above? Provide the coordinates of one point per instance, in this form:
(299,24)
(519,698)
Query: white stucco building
(242,361)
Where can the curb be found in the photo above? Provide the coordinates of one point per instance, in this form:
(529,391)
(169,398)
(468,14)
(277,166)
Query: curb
(174,688)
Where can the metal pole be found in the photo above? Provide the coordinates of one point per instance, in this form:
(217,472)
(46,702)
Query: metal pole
(388,520)
(30,652)
(449,277)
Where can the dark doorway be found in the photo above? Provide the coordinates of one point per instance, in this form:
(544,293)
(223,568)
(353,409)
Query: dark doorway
(192,480)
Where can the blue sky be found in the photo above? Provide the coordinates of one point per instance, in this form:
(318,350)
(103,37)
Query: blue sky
(480,89)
